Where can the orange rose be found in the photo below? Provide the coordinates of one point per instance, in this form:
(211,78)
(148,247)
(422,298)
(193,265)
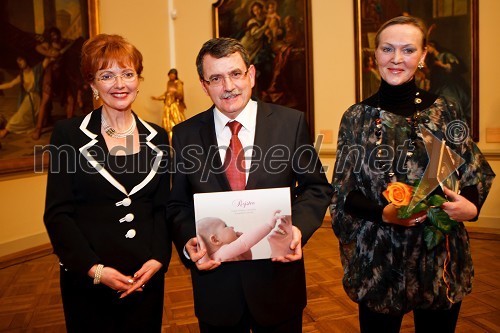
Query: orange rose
(399,194)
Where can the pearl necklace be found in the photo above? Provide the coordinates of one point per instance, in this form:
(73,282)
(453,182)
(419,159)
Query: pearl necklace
(110,131)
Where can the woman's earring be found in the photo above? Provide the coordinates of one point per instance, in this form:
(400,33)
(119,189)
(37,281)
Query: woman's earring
(96,94)
(420,65)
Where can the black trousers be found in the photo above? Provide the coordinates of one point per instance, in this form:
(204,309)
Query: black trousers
(91,308)
(426,321)
(247,323)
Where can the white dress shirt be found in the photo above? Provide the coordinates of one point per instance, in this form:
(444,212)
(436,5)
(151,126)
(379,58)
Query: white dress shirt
(248,119)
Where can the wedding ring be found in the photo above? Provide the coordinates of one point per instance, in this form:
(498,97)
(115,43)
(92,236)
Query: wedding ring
(416,220)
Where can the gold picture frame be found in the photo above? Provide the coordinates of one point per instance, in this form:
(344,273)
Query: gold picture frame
(22,25)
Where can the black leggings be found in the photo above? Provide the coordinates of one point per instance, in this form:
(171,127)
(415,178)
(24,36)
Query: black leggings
(426,321)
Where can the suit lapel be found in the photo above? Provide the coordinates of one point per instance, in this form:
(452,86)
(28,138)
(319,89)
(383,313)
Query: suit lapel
(209,144)
(158,155)
(263,127)
(90,126)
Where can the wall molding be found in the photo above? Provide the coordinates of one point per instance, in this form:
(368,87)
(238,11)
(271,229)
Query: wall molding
(35,246)
(26,255)
(46,248)
(23,243)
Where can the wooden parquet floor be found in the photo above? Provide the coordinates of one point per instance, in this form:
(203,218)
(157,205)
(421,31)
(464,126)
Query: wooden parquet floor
(30,300)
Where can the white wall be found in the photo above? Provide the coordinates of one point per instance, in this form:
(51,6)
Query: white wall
(144,24)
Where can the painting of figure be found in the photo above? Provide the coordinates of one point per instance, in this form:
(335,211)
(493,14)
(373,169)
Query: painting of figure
(452,51)
(40,80)
(276,34)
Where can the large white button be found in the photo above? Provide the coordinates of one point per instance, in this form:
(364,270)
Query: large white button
(130,234)
(128,218)
(125,202)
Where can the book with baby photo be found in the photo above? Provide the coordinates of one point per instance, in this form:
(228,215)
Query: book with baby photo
(244,225)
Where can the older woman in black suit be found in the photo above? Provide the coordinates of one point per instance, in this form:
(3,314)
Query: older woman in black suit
(106,196)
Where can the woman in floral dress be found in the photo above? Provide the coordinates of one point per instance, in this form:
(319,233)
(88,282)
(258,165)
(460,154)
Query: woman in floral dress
(394,265)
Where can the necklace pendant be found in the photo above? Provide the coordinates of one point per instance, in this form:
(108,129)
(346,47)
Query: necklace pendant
(110,131)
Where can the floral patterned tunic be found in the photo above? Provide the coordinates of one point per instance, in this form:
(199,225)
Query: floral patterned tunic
(387,267)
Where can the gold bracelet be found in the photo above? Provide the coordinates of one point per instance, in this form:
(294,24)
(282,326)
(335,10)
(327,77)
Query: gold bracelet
(98,274)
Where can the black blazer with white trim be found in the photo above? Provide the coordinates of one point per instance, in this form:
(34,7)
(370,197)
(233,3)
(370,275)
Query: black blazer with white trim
(85,203)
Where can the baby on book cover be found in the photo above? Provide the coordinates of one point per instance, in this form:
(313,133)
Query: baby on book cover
(244,225)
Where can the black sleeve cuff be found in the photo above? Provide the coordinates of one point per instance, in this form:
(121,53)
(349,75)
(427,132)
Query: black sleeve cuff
(359,206)
(472,194)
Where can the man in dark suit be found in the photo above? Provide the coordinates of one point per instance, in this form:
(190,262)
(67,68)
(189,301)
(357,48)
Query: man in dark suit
(262,295)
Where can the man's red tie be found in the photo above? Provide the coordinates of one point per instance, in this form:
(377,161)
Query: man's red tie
(234,163)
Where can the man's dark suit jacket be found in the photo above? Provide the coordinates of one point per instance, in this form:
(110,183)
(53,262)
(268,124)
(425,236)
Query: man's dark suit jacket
(283,157)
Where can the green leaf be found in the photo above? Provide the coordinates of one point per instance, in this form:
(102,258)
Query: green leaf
(437,200)
(404,212)
(440,220)
(432,236)
(420,207)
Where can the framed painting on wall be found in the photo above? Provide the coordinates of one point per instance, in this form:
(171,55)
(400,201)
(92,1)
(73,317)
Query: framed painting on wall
(277,36)
(451,66)
(40,80)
